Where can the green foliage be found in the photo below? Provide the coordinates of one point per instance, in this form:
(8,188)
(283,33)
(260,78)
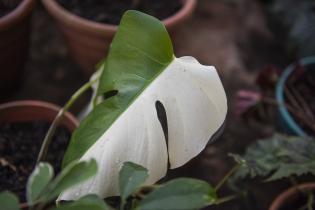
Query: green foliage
(89,202)
(38,181)
(73,174)
(180,194)
(41,189)
(140,51)
(8,201)
(277,157)
(131,177)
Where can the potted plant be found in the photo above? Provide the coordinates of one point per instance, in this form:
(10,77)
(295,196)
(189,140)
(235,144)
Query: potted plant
(122,148)
(14,40)
(275,158)
(23,125)
(90,26)
(294,195)
(290,91)
(295,96)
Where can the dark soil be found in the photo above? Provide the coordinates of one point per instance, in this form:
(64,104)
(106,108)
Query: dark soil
(6,6)
(109,11)
(19,146)
(301,96)
(296,203)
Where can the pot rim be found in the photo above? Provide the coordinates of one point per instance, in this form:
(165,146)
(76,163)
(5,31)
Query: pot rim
(17,14)
(73,122)
(80,23)
(284,196)
(293,125)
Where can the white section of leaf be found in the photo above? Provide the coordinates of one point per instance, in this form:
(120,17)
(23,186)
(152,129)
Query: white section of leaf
(196,106)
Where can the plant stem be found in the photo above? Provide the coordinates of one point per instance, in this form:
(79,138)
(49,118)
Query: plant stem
(225,199)
(227,176)
(59,117)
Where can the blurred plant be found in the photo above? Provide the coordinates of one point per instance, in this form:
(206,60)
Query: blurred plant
(276,158)
(259,105)
(252,104)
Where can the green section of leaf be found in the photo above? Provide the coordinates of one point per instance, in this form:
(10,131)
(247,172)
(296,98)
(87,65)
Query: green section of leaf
(180,194)
(38,180)
(89,202)
(131,177)
(8,201)
(140,51)
(73,174)
(277,157)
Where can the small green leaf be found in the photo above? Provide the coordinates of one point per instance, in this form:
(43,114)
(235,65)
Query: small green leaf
(8,201)
(89,202)
(131,177)
(295,169)
(180,194)
(73,174)
(277,157)
(38,180)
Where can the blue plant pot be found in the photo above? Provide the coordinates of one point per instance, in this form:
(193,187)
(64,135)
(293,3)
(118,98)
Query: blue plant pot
(288,123)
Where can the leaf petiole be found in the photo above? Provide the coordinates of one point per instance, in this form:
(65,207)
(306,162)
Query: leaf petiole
(225,199)
(59,117)
(227,176)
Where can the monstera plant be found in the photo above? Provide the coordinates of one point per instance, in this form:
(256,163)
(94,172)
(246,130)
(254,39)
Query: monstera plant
(140,74)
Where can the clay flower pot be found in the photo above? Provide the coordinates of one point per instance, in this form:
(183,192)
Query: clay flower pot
(28,110)
(290,196)
(88,41)
(14,41)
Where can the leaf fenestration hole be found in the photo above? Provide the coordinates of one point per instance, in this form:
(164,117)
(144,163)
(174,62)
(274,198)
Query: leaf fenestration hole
(109,94)
(161,114)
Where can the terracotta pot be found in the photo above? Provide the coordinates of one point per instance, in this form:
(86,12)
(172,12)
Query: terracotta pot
(14,41)
(289,196)
(88,41)
(28,110)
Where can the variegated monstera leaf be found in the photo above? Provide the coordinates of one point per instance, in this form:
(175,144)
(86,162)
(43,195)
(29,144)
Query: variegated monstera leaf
(139,72)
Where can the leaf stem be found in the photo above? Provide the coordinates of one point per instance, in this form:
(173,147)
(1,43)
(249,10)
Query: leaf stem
(225,199)
(227,176)
(59,117)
